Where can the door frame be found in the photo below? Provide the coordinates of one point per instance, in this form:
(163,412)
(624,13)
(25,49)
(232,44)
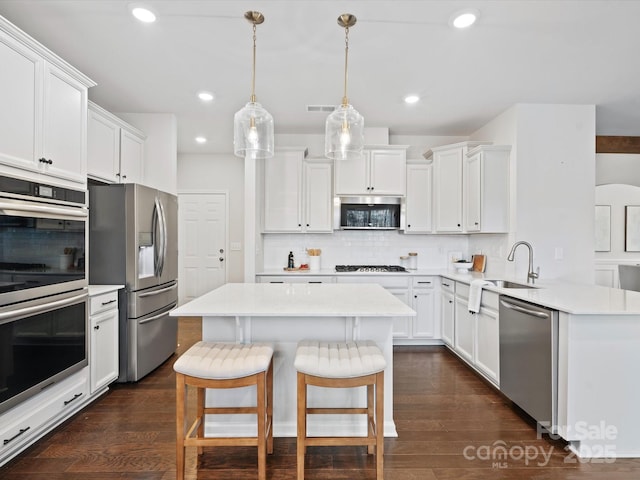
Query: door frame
(199,191)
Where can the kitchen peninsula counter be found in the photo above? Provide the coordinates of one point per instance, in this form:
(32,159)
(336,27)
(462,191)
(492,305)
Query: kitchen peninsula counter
(283,314)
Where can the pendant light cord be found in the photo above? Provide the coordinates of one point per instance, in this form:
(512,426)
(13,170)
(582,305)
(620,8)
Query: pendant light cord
(253,74)
(345,100)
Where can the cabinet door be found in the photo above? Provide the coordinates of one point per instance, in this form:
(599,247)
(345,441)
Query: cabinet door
(418,201)
(20,97)
(103,148)
(131,158)
(464,330)
(472,197)
(352,176)
(104,349)
(448,190)
(401,324)
(388,172)
(282,192)
(64,126)
(487,343)
(318,210)
(424,322)
(448,312)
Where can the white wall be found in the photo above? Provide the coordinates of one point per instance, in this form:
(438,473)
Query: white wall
(617,196)
(217,172)
(160,149)
(553,187)
(622,168)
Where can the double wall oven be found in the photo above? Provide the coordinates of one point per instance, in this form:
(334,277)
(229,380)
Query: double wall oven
(43,287)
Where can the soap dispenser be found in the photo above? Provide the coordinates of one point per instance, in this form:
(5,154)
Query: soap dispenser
(290,263)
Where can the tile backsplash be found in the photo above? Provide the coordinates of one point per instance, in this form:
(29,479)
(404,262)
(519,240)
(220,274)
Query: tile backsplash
(350,247)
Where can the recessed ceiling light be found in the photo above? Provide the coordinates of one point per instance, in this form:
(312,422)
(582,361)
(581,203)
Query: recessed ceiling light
(143,13)
(201,140)
(464,18)
(205,96)
(411,99)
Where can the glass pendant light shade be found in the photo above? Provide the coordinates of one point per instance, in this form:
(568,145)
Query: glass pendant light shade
(253,131)
(252,124)
(344,134)
(344,128)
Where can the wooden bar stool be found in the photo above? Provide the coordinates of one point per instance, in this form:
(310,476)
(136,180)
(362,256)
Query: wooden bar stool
(224,365)
(342,365)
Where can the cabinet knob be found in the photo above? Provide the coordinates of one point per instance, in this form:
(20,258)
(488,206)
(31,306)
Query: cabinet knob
(124,176)
(97,327)
(408,226)
(458,224)
(221,259)
(307,224)
(475,223)
(299,224)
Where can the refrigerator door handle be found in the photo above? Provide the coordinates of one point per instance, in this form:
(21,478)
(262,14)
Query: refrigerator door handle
(159,315)
(158,292)
(163,231)
(156,237)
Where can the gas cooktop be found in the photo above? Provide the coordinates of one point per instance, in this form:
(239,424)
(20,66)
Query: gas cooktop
(370,268)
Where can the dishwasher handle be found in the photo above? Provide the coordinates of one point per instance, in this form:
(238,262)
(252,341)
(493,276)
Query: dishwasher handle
(526,311)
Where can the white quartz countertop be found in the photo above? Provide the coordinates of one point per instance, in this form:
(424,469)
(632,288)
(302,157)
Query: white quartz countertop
(100,289)
(574,298)
(296,299)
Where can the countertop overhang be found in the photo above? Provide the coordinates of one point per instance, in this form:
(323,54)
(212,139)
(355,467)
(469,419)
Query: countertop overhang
(296,299)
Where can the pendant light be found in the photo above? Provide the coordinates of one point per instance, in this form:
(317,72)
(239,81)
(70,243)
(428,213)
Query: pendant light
(253,125)
(344,129)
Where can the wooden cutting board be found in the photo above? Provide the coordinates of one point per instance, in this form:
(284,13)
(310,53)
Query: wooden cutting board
(479,263)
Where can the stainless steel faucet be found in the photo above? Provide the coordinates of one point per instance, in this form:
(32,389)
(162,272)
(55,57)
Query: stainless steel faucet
(531,275)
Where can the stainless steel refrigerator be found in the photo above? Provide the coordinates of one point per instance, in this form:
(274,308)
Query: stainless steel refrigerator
(133,241)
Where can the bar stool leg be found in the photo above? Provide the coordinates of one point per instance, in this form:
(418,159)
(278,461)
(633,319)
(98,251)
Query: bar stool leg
(371,420)
(181,426)
(302,424)
(380,425)
(270,408)
(262,434)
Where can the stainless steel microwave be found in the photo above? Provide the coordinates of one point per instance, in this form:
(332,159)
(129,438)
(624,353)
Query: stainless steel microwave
(369,213)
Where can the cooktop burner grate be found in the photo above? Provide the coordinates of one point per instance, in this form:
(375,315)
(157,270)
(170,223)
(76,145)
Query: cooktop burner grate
(370,268)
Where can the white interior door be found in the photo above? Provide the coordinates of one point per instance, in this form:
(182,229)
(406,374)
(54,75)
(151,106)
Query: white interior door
(203,243)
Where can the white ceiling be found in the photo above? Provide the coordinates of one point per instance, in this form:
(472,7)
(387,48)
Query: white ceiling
(544,51)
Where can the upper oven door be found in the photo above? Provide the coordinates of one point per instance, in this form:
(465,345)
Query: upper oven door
(42,249)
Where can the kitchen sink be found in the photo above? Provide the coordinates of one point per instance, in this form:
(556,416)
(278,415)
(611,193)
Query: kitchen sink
(509,284)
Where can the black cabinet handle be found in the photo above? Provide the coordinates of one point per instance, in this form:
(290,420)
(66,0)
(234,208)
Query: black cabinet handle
(97,327)
(109,302)
(446,284)
(67,402)
(20,432)
(44,160)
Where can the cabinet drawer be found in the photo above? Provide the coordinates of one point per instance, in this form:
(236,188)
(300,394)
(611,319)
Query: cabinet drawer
(489,300)
(103,302)
(423,282)
(462,290)
(382,280)
(19,432)
(293,278)
(448,285)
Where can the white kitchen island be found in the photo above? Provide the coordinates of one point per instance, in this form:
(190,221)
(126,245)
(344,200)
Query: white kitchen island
(284,314)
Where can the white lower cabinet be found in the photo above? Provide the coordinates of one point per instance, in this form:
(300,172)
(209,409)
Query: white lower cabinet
(476,335)
(447,309)
(103,354)
(33,418)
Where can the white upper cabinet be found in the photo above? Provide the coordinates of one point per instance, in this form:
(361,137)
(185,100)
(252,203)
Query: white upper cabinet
(418,202)
(65,126)
(297,193)
(43,120)
(380,171)
(486,181)
(115,149)
(449,187)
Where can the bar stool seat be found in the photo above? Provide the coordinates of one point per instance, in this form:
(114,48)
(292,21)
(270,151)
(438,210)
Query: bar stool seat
(220,366)
(341,365)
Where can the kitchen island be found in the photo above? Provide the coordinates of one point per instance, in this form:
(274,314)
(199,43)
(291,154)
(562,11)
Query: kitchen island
(283,314)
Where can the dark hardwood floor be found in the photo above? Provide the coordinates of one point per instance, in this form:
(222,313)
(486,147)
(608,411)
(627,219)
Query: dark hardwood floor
(451,425)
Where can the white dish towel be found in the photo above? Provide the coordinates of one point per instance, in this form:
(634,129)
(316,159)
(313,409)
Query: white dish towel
(475,294)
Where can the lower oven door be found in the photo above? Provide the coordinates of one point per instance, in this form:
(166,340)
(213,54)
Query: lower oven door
(152,339)
(42,341)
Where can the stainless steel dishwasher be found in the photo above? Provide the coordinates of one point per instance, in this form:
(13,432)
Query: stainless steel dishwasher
(529,358)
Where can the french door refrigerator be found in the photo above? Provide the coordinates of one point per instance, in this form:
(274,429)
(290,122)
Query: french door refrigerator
(133,241)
